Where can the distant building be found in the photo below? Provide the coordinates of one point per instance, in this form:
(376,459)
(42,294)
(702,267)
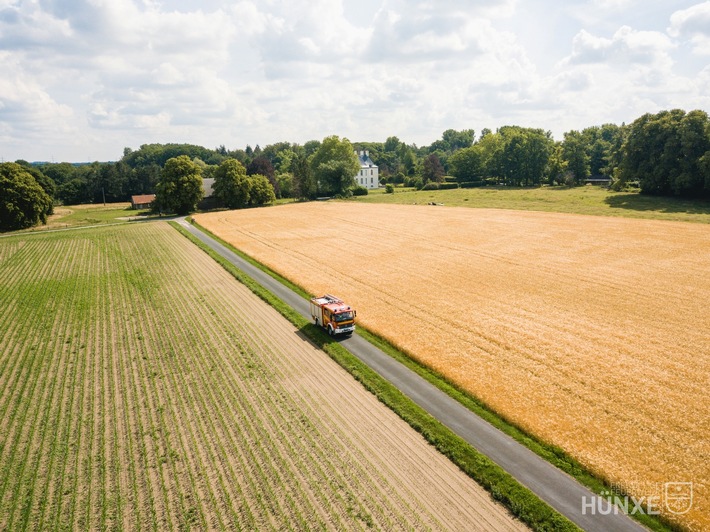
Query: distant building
(598,180)
(142,201)
(207,186)
(369,174)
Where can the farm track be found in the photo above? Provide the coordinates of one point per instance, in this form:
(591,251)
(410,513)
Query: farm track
(141,387)
(596,319)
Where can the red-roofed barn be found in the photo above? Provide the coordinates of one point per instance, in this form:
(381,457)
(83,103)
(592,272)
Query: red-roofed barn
(142,201)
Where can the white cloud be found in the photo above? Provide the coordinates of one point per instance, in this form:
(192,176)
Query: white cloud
(120,73)
(251,21)
(612,5)
(621,77)
(285,31)
(26,108)
(434,31)
(627,46)
(694,24)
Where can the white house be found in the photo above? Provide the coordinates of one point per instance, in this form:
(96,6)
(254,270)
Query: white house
(369,174)
(207,186)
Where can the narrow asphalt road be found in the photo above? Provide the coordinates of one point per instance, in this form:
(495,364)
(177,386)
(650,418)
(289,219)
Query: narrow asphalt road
(552,485)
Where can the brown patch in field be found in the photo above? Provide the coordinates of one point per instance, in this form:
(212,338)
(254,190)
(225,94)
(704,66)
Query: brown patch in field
(55,220)
(590,332)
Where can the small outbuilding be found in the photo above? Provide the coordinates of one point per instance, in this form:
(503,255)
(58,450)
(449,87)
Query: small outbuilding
(142,201)
(600,180)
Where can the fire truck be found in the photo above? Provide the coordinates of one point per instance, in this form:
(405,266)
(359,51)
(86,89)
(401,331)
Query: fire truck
(333,314)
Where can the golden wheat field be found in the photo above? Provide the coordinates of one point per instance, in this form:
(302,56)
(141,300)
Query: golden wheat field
(592,333)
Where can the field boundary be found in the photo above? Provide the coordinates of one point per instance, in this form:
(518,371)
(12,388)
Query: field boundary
(548,452)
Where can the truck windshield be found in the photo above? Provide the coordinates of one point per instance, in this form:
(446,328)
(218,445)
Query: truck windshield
(343,316)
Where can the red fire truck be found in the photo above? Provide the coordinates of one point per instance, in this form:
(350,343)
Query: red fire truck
(333,314)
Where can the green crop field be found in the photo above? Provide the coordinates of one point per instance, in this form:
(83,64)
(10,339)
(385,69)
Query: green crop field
(143,387)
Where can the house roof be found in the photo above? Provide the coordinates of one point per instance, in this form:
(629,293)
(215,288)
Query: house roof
(142,199)
(365,161)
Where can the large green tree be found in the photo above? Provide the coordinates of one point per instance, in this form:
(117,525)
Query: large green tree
(491,146)
(409,160)
(467,164)
(74,192)
(432,169)
(304,182)
(46,182)
(159,154)
(334,166)
(521,154)
(60,173)
(262,165)
(261,191)
(540,147)
(23,202)
(457,140)
(556,165)
(231,184)
(514,156)
(142,180)
(574,151)
(180,187)
(668,153)
(235,189)
(391,144)
(311,147)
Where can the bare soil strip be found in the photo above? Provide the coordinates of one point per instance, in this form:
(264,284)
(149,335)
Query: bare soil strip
(143,387)
(590,332)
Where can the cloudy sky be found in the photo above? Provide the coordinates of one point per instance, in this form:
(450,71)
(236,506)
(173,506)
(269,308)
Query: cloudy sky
(81,80)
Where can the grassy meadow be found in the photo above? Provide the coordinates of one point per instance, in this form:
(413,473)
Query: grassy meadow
(592,200)
(90,214)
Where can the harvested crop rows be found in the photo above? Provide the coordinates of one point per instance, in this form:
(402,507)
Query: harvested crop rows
(592,333)
(142,387)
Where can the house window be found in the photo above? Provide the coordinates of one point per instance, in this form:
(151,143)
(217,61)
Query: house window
(372,180)
(372,172)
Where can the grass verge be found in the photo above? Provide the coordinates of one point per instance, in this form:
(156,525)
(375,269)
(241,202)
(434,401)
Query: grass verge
(555,455)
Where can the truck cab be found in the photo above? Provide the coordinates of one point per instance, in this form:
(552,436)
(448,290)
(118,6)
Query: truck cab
(333,314)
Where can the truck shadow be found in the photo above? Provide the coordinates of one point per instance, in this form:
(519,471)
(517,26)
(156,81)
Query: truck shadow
(317,336)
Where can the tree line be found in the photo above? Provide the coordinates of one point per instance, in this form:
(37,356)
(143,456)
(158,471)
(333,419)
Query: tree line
(667,153)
